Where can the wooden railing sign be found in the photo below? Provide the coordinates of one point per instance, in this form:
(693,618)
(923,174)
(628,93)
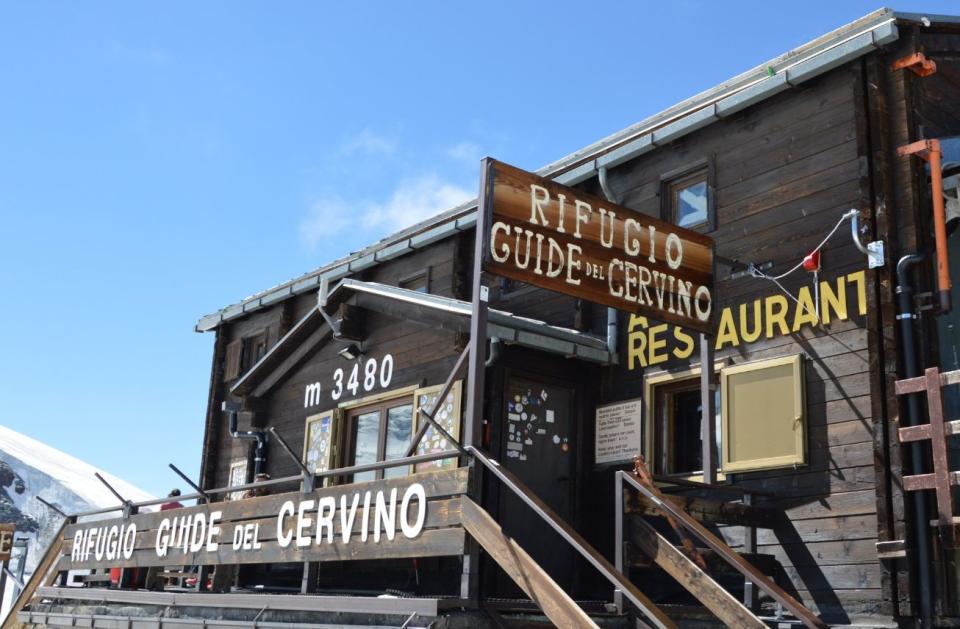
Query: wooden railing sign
(565,240)
(413,516)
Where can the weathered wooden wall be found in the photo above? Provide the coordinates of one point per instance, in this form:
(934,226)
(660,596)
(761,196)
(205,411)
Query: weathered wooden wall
(786,170)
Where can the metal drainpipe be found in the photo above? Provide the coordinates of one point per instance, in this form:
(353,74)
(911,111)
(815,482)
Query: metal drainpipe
(911,369)
(494,352)
(612,325)
(260,451)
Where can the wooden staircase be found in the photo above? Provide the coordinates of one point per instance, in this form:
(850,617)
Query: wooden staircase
(708,569)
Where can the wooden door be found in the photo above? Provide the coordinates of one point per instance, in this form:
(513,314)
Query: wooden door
(537,444)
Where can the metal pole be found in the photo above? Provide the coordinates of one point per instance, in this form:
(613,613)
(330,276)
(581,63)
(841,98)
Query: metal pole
(51,507)
(911,369)
(187,480)
(444,392)
(708,426)
(618,537)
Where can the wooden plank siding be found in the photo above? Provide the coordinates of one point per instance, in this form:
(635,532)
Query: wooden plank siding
(786,170)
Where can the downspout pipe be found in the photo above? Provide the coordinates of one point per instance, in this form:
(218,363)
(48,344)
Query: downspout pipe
(911,369)
(260,450)
(494,352)
(612,325)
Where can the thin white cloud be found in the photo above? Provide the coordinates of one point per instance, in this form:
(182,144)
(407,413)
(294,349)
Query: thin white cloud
(326,217)
(369,142)
(412,201)
(466,151)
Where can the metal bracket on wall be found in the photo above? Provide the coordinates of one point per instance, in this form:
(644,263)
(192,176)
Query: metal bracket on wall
(918,63)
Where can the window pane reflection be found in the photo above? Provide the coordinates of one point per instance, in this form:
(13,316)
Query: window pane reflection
(399,427)
(691,204)
(366,439)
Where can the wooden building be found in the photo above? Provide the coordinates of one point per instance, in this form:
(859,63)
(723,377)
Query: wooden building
(339,366)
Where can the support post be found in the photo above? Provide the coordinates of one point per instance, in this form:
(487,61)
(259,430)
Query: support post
(618,538)
(708,426)
(476,372)
(311,569)
(750,598)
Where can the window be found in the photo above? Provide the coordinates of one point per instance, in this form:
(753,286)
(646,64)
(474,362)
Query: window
(419,281)
(379,432)
(254,348)
(763,414)
(319,440)
(241,354)
(760,418)
(447,416)
(687,197)
(675,411)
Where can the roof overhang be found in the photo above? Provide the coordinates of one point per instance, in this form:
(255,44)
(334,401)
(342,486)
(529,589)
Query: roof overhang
(312,331)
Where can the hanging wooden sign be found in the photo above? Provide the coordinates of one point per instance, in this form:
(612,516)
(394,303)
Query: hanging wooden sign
(565,240)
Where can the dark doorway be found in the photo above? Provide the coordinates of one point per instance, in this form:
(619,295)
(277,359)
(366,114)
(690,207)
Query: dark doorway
(537,445)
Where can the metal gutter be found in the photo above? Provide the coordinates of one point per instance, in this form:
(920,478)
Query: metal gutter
(730,97)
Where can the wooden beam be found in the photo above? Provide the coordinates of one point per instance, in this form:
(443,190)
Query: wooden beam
(723,604)
(45,573)
(525,572)
(320,335)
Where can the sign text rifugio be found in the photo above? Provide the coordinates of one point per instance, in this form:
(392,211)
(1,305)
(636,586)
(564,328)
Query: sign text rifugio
(559,238)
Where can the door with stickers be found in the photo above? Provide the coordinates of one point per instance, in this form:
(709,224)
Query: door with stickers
(537,446)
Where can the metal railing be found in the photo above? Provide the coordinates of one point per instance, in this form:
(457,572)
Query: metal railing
(340,471)
(598,561)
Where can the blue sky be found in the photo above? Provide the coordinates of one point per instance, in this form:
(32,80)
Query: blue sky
(161,160)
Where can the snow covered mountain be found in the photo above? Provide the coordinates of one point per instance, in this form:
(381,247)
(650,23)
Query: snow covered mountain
(28,469)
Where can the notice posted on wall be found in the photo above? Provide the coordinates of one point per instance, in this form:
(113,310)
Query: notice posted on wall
(619,432)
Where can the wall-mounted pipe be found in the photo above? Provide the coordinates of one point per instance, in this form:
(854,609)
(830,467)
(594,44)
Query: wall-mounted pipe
(932,153)
(612,317)
(605,185)
(260,450)
(911,369)
(940,226)
(495,346)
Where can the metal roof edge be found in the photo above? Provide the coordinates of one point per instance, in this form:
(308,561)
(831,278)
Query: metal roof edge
(744,90)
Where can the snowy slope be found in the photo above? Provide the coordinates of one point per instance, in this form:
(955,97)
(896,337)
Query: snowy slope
(58,478)
(74,475)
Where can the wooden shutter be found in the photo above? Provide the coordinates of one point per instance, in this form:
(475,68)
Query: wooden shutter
(448,416)
(763,414)
(231,370)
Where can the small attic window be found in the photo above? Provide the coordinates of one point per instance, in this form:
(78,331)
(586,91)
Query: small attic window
(687,197)
(418,281)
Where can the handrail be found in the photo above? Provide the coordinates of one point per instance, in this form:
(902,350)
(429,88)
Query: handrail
(340,471)
(598,561)
(742,566)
